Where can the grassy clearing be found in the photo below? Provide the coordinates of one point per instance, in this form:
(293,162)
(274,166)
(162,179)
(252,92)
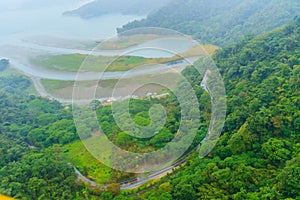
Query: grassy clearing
(76,62)
(53,85)
(86,163)
(64,89)
(73,62)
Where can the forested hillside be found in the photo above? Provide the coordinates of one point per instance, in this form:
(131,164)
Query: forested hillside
(27,125)
(220,22)
(258,155)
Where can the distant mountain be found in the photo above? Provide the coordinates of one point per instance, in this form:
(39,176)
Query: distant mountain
(221,22)
(130,7)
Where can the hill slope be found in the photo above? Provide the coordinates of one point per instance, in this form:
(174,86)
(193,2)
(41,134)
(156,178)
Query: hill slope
(258,155)
(220,22)
(126,7)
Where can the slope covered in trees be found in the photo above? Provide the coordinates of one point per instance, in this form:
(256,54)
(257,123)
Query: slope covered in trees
(257,157)
(220,22)
(27,169)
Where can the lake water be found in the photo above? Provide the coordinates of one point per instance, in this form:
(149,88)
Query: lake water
(23,22)
(47,19)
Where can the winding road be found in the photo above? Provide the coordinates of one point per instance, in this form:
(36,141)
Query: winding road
(40,73)
(137,182)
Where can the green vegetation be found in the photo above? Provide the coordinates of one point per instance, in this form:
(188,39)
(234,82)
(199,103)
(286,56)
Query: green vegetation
(52,86)
(220,22)
(11,72)
(38,139)
(74,62)
(28,172)
(70,62)
(14,84)
(257,156)
(90,167)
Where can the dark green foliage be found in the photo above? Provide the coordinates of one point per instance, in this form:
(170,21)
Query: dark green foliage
(26,171)
(38,175)
(289,178)
(220,22)
(14,85)
(257,157)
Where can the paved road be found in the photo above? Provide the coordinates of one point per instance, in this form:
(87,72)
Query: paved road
(137,182)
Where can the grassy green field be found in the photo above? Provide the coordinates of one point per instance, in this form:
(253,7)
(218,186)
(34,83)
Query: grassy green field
(76,62)
(64,89)
(82,159)
(52,86)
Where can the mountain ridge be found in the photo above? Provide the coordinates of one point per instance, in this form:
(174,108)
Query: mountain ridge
(126,7)
(220,22)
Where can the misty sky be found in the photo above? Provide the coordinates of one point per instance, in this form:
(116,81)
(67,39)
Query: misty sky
(33,4)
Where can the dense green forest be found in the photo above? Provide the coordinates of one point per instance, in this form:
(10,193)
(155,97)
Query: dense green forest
(28,124)
(257,156)
(220,22)
(35,132)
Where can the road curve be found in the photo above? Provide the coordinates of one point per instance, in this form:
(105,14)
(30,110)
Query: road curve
(137,182)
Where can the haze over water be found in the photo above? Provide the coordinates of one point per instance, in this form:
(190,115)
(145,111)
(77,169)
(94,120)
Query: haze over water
(28,18)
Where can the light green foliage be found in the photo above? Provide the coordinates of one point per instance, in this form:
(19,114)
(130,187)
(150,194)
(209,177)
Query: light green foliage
(241,141)
(86,163)
(167,187)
